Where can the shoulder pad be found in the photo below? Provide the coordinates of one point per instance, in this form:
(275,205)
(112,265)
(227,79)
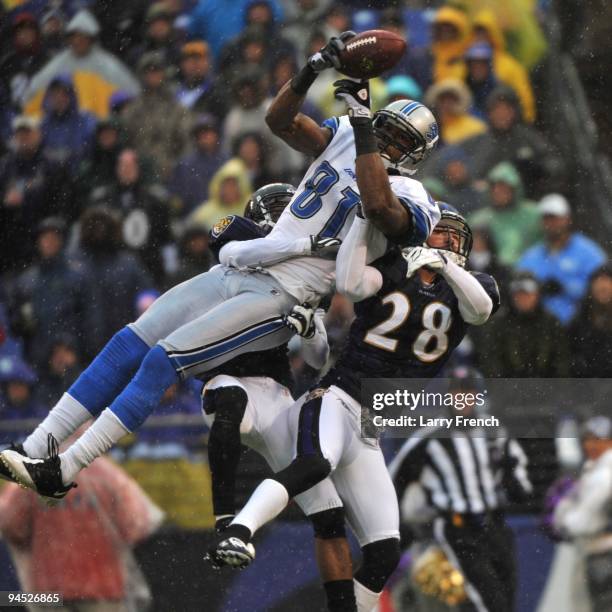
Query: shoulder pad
(220,226)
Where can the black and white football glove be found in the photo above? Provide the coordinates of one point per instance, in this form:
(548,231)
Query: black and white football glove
(329,55)
(356,94)
(422,257)
(324,246)
(301,321)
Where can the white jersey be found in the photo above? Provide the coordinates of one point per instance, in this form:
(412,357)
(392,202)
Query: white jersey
(324,205)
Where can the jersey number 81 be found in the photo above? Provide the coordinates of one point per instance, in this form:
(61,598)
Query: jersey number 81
(309,202)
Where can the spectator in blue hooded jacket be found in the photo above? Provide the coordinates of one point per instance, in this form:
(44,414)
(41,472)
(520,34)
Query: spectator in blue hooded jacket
(114,276)
(191,175)
(67,131)
(480,77)
(50,296)
(61,368)
(16,399)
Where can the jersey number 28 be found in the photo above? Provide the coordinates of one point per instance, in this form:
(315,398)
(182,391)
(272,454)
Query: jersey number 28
(430,344)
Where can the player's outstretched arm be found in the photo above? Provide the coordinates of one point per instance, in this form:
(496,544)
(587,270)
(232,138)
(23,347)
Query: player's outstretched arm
(263,251)
(475,303)
(298,130)
(380,205)
(354,278)
(283,116)
(274,248)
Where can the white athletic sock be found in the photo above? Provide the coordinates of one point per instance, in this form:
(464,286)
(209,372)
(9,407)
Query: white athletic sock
(366,599)
(105,432)
(63,420)
(267,502)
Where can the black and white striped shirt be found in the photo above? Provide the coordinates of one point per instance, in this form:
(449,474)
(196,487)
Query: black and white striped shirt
(463,472)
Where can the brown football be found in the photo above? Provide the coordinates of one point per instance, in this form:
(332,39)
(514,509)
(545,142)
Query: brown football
(371,53)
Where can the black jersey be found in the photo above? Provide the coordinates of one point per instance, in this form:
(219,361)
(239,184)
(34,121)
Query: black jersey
(232,228)
(407,330)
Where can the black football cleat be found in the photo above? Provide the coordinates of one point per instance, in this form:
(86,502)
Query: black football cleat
(231,552)
(44,476)
(5,473)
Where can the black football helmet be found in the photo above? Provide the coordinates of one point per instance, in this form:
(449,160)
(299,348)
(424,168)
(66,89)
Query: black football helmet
(267,204)
(455,223)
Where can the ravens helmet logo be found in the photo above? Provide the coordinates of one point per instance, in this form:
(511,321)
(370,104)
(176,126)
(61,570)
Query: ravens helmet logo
(220,226)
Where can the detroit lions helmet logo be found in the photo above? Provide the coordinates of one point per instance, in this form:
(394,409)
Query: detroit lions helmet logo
(432,132)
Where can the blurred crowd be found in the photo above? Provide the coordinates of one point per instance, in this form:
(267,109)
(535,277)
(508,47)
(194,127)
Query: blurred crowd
(127,129)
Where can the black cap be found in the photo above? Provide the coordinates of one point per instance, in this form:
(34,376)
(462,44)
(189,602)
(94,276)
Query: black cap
(248,75)
(204,121)
(52,224)
(503,93)
(524,281)
(152,59)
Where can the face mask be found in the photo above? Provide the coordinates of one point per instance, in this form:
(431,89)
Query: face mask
(480,260)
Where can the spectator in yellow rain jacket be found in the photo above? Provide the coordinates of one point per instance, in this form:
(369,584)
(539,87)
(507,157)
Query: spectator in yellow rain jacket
(450,38)
(450,100)
(519,21)
(229,190)
(507,69)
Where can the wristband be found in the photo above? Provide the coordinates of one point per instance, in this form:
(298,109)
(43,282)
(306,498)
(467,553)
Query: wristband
(302,81)
(365,140)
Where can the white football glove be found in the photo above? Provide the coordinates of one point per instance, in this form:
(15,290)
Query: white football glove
(420,257)
(301,320)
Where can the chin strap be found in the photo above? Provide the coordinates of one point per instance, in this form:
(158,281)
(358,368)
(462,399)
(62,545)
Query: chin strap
(394,170)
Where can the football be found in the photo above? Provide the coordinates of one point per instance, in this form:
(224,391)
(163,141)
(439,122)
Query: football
(371,53)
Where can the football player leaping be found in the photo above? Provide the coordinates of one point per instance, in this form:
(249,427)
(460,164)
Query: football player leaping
(412,310)
(205,322)
(248,401)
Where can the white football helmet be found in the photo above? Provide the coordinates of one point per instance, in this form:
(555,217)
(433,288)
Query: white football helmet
(409,127)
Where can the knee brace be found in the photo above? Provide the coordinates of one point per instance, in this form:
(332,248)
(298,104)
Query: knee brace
(302,473)
(379,561)
(226,403)
(328,524)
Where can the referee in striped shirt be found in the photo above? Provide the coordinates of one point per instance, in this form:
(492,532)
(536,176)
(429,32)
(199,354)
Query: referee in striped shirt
(468,479)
